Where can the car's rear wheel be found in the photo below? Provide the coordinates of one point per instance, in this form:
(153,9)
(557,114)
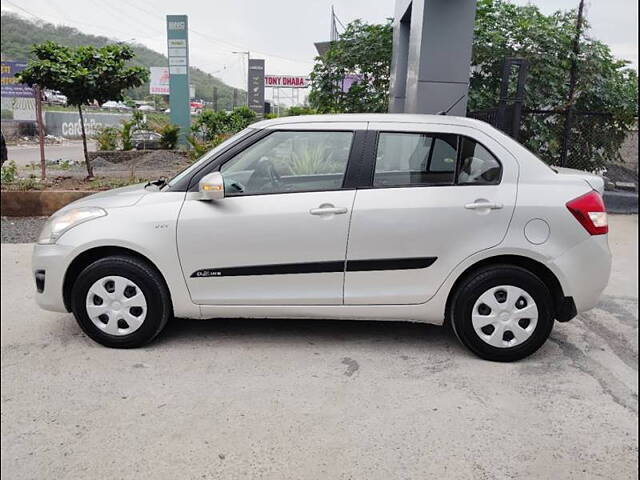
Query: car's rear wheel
(121,302)
(502,313)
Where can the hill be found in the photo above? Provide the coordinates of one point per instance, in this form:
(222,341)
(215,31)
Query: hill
(18,34)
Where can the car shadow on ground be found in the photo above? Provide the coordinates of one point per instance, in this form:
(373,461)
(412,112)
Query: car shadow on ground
(317,330)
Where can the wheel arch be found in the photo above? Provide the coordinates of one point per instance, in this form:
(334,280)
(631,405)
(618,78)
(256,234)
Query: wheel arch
(85,258)
(564,307)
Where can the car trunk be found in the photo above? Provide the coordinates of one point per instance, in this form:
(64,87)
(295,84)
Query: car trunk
(595,181)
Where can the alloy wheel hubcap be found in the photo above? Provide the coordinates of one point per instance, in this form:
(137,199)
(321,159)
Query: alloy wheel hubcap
(116,305)
(504,316)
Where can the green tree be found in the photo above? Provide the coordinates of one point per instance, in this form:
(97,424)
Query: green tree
(84,74)
(363,50)
(502,29)
(605,84)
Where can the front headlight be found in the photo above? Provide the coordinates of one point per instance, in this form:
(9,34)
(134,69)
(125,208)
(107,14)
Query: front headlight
(61,222)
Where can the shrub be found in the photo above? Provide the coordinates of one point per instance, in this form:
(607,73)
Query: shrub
(9,172)
(137,121)
(295,111)
(169,136)
(107,138)
(200,147)
(209,124)
(313,160)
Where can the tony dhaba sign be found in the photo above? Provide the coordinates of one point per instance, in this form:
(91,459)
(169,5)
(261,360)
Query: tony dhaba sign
(286,81)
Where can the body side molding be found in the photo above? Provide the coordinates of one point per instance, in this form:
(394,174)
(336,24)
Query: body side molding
(318,267)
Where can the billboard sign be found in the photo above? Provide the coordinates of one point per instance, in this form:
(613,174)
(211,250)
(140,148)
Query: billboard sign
(10,85)
(67,124)
(159,81)
(287,81)
(348,80)
(178,50)
(255,95)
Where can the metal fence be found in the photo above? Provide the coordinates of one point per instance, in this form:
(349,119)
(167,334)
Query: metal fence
(591,141)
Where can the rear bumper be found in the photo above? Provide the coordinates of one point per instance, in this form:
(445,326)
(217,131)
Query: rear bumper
(585,270)
(49,264)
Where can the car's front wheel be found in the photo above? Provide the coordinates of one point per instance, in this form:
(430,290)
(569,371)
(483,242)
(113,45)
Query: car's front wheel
(502,313)
(121,302)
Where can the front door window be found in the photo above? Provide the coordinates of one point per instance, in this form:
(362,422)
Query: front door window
(289,161)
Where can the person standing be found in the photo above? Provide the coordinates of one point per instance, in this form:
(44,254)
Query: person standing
(3,150)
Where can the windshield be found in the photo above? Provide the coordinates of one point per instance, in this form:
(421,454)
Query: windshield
(211,153)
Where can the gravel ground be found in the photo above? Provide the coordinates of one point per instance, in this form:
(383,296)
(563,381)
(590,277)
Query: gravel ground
(307,399)
(21,229)
(154,164)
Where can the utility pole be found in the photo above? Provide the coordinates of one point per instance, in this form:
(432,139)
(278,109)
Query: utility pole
(333,34)
(235,98)
(573,79)
(248,54)
(215,99)
(38,94)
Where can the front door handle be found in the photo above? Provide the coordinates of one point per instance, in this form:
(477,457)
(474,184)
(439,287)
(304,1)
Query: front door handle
(483,205)
(328,210)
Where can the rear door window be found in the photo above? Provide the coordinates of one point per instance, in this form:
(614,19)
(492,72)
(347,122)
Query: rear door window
(415,159)
(478,166)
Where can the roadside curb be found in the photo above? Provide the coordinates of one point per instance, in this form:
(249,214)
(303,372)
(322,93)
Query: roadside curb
(37,203)
(621,202)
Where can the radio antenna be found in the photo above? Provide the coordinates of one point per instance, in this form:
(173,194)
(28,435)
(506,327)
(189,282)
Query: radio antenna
(444,112)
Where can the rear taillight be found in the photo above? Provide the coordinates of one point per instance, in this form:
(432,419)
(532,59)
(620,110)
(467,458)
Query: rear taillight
(590,212)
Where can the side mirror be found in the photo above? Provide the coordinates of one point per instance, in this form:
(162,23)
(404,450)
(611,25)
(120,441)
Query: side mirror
(211,187)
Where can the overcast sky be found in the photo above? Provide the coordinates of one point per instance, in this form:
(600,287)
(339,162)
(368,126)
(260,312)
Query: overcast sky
(281,31)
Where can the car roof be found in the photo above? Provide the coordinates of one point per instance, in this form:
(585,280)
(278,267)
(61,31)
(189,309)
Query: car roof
(372,117)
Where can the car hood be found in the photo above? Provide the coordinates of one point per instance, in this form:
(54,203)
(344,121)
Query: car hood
(116,198)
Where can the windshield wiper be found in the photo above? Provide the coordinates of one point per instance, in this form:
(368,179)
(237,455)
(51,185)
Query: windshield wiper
(159,183)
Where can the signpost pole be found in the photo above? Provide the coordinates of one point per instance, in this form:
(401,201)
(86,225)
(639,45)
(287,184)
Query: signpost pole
(255,84)
(38,94)
(178,50)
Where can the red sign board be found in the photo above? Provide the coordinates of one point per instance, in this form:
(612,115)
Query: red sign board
(286,81)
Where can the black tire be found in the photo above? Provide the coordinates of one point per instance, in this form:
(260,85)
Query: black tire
(159,308)
(474,285)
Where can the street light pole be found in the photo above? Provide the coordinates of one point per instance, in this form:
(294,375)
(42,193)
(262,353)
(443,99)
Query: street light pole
(248,54)
(573,78)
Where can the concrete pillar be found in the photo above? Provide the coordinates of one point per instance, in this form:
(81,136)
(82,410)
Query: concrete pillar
(431,62)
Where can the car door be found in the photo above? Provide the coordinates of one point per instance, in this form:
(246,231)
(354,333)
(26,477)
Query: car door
(438,194)
(279,235)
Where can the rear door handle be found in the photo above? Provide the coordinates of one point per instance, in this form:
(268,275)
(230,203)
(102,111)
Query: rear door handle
(328,211)
(482,205)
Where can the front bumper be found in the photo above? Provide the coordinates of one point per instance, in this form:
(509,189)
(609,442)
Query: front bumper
(49,264)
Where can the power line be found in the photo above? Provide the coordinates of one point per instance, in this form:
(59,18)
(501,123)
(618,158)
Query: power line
(120,14)
(221,41)
(69,21)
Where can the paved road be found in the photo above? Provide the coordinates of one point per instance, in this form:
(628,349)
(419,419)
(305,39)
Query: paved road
(314,400)
(24,155)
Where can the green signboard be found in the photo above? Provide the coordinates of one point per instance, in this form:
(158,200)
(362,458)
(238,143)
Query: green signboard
(178,53)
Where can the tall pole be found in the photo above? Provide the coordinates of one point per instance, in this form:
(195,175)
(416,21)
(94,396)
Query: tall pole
(573,79)
(178,54)
(248,54)
(215,99)
(38,93)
